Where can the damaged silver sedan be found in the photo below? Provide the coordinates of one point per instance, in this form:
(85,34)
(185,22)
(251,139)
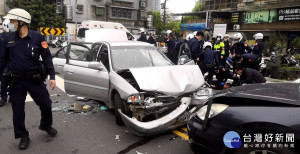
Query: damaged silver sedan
(149,94)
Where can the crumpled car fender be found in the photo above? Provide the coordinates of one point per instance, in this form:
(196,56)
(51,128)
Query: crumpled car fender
(163,124)
(121,85)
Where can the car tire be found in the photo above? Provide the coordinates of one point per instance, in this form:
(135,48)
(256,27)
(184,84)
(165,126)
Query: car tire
(53,45)
(119,104)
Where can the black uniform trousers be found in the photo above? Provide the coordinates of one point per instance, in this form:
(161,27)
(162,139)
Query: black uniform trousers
(4,90)
(39,94)
(210,71)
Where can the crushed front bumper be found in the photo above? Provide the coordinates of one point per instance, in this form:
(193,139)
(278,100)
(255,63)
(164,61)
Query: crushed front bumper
(175,119)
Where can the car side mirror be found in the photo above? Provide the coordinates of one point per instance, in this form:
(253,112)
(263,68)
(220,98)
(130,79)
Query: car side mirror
(96,65)
(183,59)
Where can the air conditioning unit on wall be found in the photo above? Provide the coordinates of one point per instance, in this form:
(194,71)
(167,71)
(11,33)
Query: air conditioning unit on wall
(236,27)
(143,4)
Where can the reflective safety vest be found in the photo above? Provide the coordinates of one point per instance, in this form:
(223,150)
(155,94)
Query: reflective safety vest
(219,47)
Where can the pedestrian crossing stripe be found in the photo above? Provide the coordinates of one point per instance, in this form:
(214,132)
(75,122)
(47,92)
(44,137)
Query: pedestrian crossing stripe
(182,133)
(59,84)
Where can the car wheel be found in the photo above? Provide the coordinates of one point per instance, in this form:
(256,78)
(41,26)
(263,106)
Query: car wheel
(53,45)
(119,104)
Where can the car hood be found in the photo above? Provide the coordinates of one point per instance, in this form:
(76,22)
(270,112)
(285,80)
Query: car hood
(169,80)
(284,93)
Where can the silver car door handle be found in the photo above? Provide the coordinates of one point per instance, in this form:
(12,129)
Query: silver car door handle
(70,72)
(60,65)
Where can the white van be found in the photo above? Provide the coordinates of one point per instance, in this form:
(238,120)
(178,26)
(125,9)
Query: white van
(93,24)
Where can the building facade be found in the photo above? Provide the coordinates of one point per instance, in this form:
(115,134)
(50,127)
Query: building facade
(156,5)
(131,13)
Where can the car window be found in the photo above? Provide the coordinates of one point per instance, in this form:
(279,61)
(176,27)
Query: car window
(81,32)
(95,50)
(103,56)
(61,53)
(125,57)
(80,53)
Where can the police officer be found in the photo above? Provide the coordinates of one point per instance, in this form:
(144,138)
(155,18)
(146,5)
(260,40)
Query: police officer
(258,48)
(247,60)
(239,46)
(248,75)
(143,36)
(219,47)
(195,46)
(170,41)
(208,59)
(3,84)
(23,49)
(151,40)
(227,46)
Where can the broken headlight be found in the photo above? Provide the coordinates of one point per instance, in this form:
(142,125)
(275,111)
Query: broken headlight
(134,99)
(215,110)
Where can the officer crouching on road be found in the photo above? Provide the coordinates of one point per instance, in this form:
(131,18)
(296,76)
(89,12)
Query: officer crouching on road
(22,51)
(208,60)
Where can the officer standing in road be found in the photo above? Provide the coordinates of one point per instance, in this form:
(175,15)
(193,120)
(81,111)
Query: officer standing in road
(22,51)
(151,40)
(239,46)
(170,41)
(195,46)
(219,47)
(3,84)
(258,48)
(227,46)
(208,61)
(143,36)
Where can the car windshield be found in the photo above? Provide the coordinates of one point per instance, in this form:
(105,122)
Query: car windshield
(125,57)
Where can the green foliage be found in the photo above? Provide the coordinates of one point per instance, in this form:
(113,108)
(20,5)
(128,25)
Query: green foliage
(157,21)
(198,7)
(42,15)
(285,72)
(174,26)
(297,57)
(296,42)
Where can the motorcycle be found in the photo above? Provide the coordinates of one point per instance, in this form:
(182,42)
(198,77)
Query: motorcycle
(58,43)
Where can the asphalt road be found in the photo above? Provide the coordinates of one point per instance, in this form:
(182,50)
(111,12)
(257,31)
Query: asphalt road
(84,133)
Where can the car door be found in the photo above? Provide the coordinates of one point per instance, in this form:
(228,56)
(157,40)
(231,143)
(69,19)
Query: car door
(59,60)
(85,76)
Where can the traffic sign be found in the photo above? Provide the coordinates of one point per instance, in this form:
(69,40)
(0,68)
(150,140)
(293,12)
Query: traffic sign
(52,31)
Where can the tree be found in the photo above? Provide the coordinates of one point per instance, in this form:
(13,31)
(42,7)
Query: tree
(42,15)
(198,7)
(157,21)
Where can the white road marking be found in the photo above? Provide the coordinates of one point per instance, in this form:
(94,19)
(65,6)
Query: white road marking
(59,84)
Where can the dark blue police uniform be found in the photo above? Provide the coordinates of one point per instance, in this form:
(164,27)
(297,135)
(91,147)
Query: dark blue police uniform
(195,49)
(22,58)
(3,84)
(171,49)
(143,38)
(209,59)
(249,61)
(258,51)
(239,48)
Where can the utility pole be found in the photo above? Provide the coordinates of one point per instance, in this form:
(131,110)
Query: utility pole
(164,17)
(75,19)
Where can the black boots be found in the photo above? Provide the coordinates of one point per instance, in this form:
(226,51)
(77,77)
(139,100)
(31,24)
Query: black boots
(50,130)
(24,142)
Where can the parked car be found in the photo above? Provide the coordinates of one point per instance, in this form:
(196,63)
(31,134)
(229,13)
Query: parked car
(271,108)
(147,92)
